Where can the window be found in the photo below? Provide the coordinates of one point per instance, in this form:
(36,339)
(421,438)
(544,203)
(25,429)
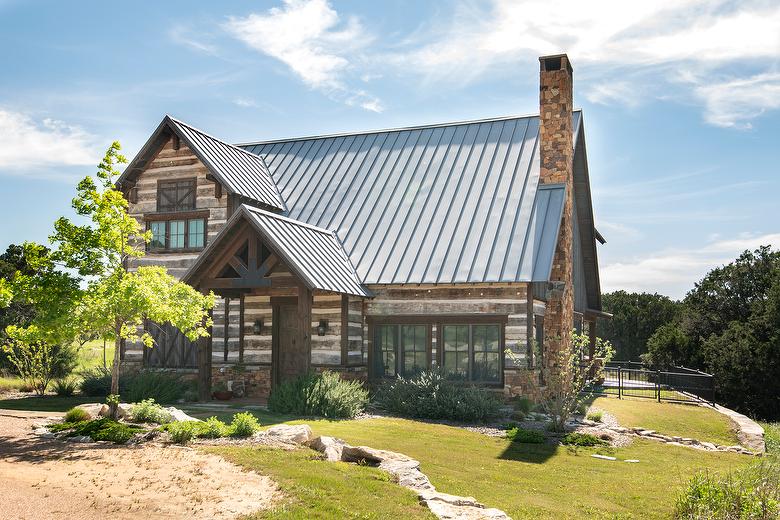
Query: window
(400,349)
(196,232)
(415,348)
(158,235)
(386,343)
(176,196)
(177,234)
(472,352)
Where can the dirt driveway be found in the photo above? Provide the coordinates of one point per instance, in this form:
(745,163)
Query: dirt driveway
(53,479)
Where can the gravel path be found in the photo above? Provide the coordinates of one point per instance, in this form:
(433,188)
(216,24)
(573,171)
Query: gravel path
(54,479)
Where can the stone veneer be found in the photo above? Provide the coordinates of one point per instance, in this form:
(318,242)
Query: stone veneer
(557,167)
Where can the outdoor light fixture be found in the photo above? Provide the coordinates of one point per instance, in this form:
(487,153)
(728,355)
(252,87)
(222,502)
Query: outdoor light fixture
(322,327)
(257,328)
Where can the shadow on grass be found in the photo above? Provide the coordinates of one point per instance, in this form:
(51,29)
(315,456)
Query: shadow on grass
(46,403)
(530,453)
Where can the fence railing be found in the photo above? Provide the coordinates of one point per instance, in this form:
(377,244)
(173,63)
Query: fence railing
(632,379)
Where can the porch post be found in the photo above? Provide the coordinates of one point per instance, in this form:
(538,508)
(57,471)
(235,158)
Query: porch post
(304,323)
(204,366)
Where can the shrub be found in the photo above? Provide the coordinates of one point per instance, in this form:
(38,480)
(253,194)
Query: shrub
(750,493)
(431,395)
(182,432)
(38,362)
(596,416)
(75,415)
(525,436)
(213,428)
(64,387)
(104,429)
(147,411)
(96,382)
(582,439)
(163,387)
(523,405)
(244,425)
(772,437)
(324,394)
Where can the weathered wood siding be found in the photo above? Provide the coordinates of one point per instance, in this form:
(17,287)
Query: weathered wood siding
(169,164)
(326,350)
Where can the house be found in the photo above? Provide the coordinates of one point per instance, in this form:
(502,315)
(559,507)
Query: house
(378,253)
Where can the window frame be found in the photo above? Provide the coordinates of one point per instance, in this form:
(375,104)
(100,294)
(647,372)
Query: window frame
(466,322)
(439,321)
(186,218)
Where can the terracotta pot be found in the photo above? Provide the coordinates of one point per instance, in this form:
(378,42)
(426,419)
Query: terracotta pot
(223,395)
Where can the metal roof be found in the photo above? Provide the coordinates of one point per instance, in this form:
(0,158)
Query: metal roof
(313,254)
(435,204)
(241,172)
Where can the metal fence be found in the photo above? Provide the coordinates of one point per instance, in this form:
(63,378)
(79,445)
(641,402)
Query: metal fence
(632,379)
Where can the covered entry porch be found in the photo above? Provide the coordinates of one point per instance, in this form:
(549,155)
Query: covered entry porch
(289,302)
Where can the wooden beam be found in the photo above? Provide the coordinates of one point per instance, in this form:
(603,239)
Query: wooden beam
(344,330)
(204,346)
(304,322)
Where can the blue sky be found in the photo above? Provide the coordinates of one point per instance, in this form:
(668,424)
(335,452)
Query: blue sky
(681,100)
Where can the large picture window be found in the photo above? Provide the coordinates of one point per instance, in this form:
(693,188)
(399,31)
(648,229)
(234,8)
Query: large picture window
(176,195)
(472,352)
(401,349)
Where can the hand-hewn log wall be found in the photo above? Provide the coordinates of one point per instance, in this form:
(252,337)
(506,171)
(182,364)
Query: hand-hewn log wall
(170,164)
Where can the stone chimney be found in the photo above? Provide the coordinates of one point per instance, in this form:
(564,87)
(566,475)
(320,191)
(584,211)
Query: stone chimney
(557,167)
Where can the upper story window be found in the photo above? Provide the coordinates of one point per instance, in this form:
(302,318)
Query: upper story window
(176,195)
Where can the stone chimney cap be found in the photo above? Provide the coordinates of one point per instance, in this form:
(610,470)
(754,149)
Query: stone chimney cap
(555,62)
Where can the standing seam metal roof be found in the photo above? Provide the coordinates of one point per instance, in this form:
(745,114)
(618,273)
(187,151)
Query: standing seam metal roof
(243,173)
(458,203)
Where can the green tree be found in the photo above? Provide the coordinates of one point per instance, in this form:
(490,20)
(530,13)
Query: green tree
(116,300)
(635,317)
(41,346)
(667,347)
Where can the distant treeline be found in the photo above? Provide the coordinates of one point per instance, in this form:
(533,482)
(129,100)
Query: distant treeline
(727,325)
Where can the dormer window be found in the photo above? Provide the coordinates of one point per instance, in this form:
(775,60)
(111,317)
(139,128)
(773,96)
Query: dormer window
(175,196)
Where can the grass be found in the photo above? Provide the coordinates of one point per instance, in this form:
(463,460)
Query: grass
(8,383)
(673,419)
(525,480)
(91,355)
(48,403)
(772,437)
(319,489)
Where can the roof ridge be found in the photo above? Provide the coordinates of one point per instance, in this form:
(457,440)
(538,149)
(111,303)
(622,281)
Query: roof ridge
(237,148)
(388,130)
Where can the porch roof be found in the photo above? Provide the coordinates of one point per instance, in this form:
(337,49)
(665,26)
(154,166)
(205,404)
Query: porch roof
(314,254)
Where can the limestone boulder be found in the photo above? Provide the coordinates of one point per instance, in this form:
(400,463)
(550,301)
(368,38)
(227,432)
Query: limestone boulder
(290,434)
(331,447)
(179,415)
(93,409)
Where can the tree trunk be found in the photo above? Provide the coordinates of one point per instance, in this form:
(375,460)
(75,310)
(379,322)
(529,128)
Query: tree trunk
(115,371)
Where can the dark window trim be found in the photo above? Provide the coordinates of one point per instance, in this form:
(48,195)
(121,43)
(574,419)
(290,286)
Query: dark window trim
(470,324)
(438,320)
(193,180)
(173,217)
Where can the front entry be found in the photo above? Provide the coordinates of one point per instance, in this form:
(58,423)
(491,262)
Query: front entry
(290,358)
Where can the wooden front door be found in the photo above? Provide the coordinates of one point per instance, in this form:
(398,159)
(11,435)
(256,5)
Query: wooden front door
(290,358)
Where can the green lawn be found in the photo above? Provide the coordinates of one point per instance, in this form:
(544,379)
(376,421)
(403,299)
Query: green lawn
(526,481)
(681,420)
(319,489)
(8,383)
(772,437)
(47,403)
(91,354)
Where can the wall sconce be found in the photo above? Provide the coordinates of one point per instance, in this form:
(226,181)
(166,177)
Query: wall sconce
(257,326)
(322,327)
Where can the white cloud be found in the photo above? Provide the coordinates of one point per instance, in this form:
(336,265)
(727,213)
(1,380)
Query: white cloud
(245,102)
(674,272)
(735,102)
(310,38)
(609,39)
(27,145)
(180,35)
